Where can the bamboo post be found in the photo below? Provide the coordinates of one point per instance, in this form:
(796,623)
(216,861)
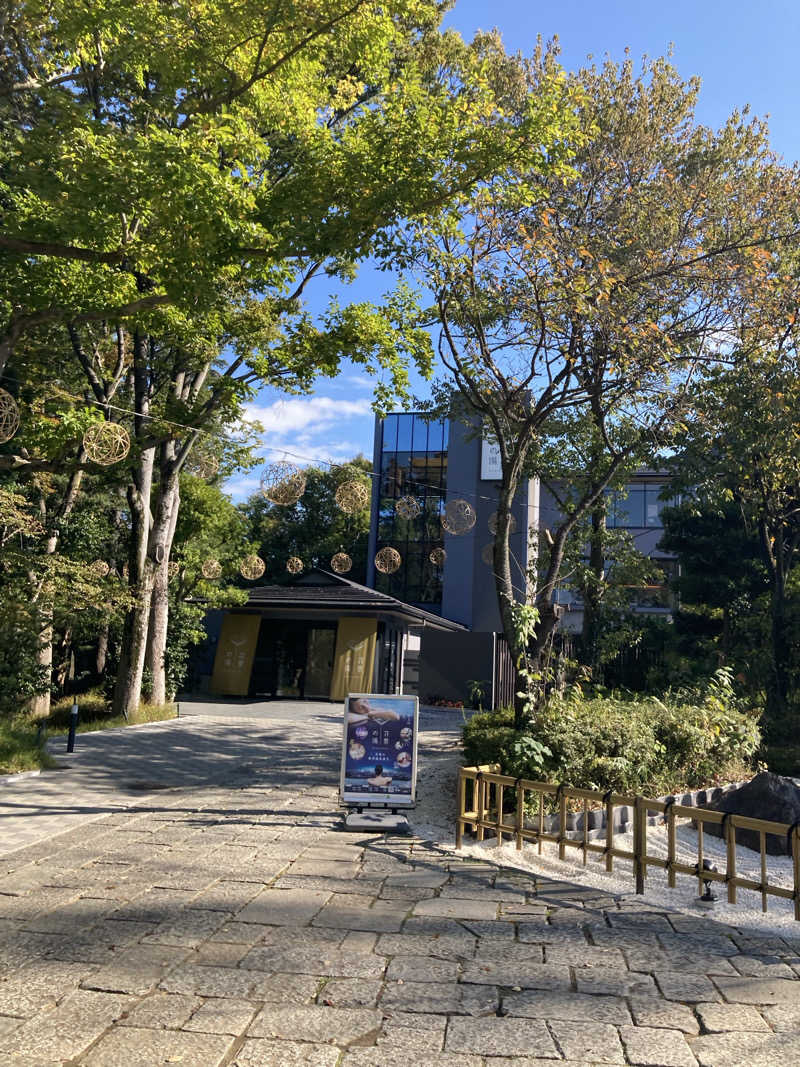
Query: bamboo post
(700,887)
(763,843)
(671,843)
(462,799)
(585,829)
(609,831)
(729,828)
(795,835)
(639,842)
(562,820)
(520,813)
(499,789)
(541,822)
(479,798)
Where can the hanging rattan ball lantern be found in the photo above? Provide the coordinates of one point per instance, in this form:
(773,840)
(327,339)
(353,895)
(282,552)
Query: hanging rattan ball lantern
(341,563)
(437,557)
(407,507)
(352,496)
(487,554)
(294,565)
(211,569)
(283,483)
(492,523)
(202,463)
(459,517)
(106,443)
(99,568)
(173,569)
(252,567)
(388,560)
(9,416)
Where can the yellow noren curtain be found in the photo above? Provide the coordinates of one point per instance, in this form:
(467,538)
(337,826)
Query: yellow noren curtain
(355,657)
(235,652)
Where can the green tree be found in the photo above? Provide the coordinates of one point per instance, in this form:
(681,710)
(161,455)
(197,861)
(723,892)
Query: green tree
(599,288)
(315,528)
(742,447)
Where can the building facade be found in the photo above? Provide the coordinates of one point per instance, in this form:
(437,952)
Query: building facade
(435,462)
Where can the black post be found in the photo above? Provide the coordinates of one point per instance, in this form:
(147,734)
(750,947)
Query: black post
(73,725)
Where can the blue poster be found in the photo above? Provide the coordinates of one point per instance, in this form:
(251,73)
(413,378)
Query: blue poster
(379,750)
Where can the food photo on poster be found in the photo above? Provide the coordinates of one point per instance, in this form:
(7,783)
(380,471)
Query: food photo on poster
(379,749)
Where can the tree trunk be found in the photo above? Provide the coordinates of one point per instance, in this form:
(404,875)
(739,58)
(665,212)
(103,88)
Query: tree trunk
(101,655)
(592,593)
(40,704)
(159,614)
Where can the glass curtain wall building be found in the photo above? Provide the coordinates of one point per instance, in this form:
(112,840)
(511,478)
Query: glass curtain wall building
(413,463)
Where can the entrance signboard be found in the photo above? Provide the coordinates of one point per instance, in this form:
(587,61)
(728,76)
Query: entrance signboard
(379,750)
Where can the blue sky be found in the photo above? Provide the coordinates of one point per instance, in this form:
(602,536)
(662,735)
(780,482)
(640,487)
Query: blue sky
(745,53)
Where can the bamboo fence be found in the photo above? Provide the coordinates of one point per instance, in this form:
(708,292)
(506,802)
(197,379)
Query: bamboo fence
(487,794)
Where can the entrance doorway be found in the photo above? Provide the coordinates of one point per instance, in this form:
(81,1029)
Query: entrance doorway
(294,659)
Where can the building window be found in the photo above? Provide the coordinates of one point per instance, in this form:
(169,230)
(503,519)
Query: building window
(413,463)
(638,507)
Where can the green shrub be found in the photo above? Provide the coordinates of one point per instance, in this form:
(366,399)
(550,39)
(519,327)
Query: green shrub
(686,739)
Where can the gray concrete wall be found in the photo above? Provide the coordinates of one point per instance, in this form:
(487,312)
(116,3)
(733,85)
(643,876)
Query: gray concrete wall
(448,661)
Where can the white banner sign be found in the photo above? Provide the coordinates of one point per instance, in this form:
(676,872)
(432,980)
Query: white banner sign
(491,467)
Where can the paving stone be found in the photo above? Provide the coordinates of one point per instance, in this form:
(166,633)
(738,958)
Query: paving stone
(422,969)
(410,1040)
(755,1050)
(687,962)
(526,974)
(130,1047)
(222,1016)
(457,909)
(161,1011)
(156,905)
(217,954)
(67,1030)
(359,941)
(7,1024)
(762,967)
(444,947)
(719,1018)
(613,982)
(190,928)
(38,986)
(226,896)
(135,969)
(593,1042)
(366,1057)
(509,951)
(257,1052)
(584,956)
(489,929)
(676,985)
(329,961)
(759,990)
(442,997)
(284,907)
(350,993)
(209,981)
(286,988)
(500,1037)
(416,1020)
(667,1014)
(783,1017)
(347,912)
(417,878)
(579,1007)
(656,1047)
(341,1026)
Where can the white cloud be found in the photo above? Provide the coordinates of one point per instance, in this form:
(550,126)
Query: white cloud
(312,413)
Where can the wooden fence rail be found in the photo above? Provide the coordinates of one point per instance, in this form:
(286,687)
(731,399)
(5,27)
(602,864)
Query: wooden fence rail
(486,811)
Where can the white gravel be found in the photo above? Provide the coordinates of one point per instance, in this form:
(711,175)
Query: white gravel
(434,820)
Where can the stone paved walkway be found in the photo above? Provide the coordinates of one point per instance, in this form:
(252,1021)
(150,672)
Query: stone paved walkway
(229,923)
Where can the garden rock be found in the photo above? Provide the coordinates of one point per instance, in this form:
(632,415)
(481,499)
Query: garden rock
(767,796)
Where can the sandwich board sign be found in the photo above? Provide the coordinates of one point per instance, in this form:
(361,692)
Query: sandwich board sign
(379,752)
